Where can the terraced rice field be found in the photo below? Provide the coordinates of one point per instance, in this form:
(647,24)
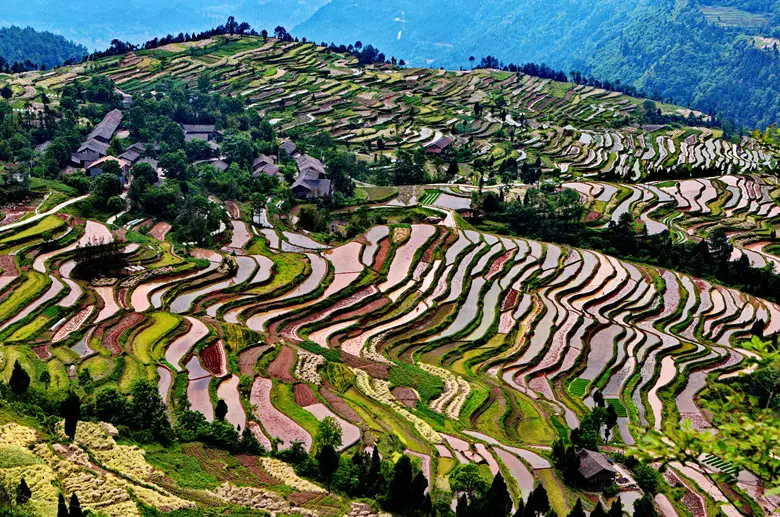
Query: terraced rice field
(488,329)
(302,86)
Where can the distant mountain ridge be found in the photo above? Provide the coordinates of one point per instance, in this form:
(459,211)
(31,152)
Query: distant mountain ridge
(40,48)
(668,48)
(95,23)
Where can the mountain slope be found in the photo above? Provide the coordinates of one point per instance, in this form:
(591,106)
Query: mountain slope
(42,48)
(662,46)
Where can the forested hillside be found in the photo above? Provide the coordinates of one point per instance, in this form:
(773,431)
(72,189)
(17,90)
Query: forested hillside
(716,57)
(40,48)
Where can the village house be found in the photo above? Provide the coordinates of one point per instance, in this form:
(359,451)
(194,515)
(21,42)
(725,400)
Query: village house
(90,151)
(265,165)
(439,146)
(134,153)
(98,140)
(595,469)
(217,163)
(96,168)
(289,147)
(311,181)
(206,132)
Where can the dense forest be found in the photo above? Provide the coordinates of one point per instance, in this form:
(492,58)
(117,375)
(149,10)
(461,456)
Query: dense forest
(18,45)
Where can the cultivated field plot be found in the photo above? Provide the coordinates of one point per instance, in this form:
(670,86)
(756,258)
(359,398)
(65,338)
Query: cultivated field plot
(744,206)
(577,129)
(465,345)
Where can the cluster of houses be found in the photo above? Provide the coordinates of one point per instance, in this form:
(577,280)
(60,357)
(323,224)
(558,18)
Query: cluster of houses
(311,180)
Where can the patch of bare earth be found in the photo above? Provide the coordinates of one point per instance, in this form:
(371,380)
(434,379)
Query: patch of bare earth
(280,368)
(303,395)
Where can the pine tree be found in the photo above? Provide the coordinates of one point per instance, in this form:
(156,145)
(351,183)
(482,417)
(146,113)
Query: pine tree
(577,511)
(62,508)
(497,501)
(541,501)
(645,507)
(23,492)
(20,380)
(401,485)
(374,484)
(70,409)
(417,496)
(599,511)
(462,509)
(520,508)
(328,460)
(74,509)
(617,509)
(221,410)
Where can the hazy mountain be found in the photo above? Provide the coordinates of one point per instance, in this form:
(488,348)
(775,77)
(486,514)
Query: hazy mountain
(41,48)
(95,23)
(709,56)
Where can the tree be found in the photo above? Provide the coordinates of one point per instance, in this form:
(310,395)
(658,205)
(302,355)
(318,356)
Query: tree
(238,148)
(45,379)
(70,410)
(611,419)
(599,511)
(144,170)
(645,507)
(598,398)
(616,510)
(467,480)
(401,485)
(23,493)
(174,164)
(329,433)
(103,187)
(328,460)
(74,508)
(149,412)
(6,92)
(110,405)
(221,410)
(20,379)
(578,511)
(541,502)
(62,508)
(520,508)
(112,167)
(497,501)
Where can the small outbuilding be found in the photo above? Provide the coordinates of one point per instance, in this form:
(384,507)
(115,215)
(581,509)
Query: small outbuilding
(595,468)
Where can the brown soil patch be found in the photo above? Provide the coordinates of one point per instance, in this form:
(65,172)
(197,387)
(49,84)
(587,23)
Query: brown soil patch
(364,310)
(248,359)
(340,407)
(303,395)
(592,216)
(281,366)
(381,254)
(232,209)
(375,370)
(111,336)
(214,359)
(160,230)
(510,300)
(428,253)
(252,465)
(8,265)
(42,352)
(498,264)
(405,396)
(301,498)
